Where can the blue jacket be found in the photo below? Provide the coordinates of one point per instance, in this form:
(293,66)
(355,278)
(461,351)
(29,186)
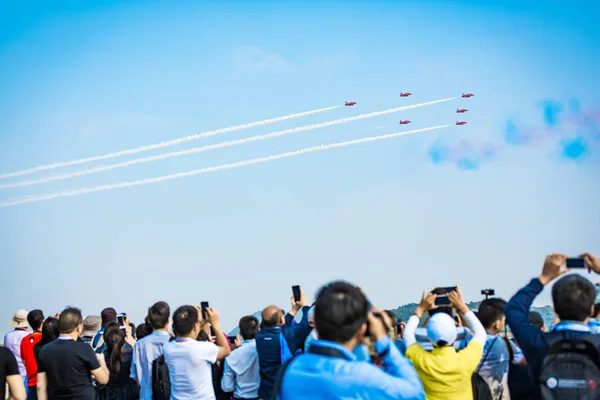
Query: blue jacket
(275,345)
(531,338)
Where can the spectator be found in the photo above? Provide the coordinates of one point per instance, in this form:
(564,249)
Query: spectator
(313,335)
(330,370)
(142,331)
(150,348)
(91,326)
(10,376)
(50,333)
(594,322)
(278,340)
(445,372)
(497,358)
(463,334)
(12,340)
(118,359)
(189,361)
(391,320)
(241,373)
(520,380)
(35,319)
(573,297)
(216,368)
(107,315)
(66,366)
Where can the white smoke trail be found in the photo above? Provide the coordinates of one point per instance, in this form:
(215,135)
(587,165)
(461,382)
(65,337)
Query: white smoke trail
(217,146)
(179,175)
(163,144)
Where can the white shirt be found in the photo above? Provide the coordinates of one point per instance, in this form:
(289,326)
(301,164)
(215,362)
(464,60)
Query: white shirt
(190,370)
(12,341)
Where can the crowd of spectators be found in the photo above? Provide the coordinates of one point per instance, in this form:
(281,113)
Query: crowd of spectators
(342,347)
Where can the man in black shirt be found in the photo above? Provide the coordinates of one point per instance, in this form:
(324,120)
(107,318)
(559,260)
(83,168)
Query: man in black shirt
(65,366)
(9,373)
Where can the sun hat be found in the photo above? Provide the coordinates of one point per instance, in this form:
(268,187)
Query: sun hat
(19,320)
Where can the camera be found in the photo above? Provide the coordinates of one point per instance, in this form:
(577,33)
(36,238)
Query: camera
(488,292)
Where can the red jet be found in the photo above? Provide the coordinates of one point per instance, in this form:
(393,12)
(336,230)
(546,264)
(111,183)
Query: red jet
(350,103)
(405,94)
(462,110)
(461,123)
(465,95)
(404,122)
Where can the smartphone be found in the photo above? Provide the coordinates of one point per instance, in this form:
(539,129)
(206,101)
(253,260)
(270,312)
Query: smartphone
(121,319)
(442,295)
(575,263)
(204,305)
(232,339)
(296,292)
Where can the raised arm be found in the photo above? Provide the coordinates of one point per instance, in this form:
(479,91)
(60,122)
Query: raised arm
(426,304)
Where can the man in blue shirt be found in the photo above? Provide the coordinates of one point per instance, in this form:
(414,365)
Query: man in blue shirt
(330,370)
(241,372)
(278,340)
(573,297)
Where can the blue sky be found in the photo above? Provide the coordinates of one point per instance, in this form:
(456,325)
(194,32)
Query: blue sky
(82,79)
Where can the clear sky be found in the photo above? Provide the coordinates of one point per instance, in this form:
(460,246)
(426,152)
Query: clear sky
(80,79)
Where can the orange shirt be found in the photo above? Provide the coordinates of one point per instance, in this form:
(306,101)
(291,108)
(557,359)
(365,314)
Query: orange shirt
(29,358)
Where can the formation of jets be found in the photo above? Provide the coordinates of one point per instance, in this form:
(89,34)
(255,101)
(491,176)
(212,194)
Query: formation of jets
(406,94)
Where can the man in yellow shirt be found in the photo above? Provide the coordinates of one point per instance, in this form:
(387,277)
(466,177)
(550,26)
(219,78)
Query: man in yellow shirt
(445,372)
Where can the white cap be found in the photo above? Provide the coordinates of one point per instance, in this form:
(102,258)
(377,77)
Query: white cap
(441,328)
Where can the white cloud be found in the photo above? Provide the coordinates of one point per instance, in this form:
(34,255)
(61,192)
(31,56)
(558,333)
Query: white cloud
(256,59)
(332,62)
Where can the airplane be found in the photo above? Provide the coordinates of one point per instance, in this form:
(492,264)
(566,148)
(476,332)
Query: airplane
(465,95)
(404,122)
(461,123)
(462,110)
(350,103)
(405,94)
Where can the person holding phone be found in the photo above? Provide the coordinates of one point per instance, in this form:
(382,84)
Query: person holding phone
(445,372)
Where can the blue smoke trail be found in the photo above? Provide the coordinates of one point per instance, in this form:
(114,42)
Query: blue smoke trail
(558,120)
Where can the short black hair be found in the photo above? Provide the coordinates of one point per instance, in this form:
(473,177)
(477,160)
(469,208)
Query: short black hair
(536,319)
(185,319)
(35,319)
(490,311)
(142,331)
(69,320)
(158,315)
(108,315)
(248,327)
(341,310)
(573,297)
(441,309)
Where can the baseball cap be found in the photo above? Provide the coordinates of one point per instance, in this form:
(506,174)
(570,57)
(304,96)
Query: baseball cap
(441,329)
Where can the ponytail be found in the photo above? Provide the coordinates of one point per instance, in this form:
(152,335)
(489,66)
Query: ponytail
(115,340)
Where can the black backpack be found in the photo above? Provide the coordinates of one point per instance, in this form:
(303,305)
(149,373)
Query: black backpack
(481,390)
(571,368)
(161,384)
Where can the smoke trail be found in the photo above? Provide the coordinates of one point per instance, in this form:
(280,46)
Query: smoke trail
(218,145)
(253,161)
(576,132)
(163,144)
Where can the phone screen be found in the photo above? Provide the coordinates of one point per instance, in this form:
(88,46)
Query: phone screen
(442,295)
(575,263)
(204,305)
(296,292)
(121,320)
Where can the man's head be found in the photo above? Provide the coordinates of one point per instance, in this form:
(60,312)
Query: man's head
(186,322)
(70,322)
(272,316)
(441,329)
(491,315)
(573,297)
(536,320)
(108,315)
(158,315)
(248,327)
(35,319)
(341,313)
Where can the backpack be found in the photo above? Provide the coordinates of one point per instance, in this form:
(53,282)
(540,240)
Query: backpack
(161,384)
(481,390)
(571,368)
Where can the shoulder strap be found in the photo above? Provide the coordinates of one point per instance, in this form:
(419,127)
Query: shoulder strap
(511,353)
(279,379)
(486,354)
